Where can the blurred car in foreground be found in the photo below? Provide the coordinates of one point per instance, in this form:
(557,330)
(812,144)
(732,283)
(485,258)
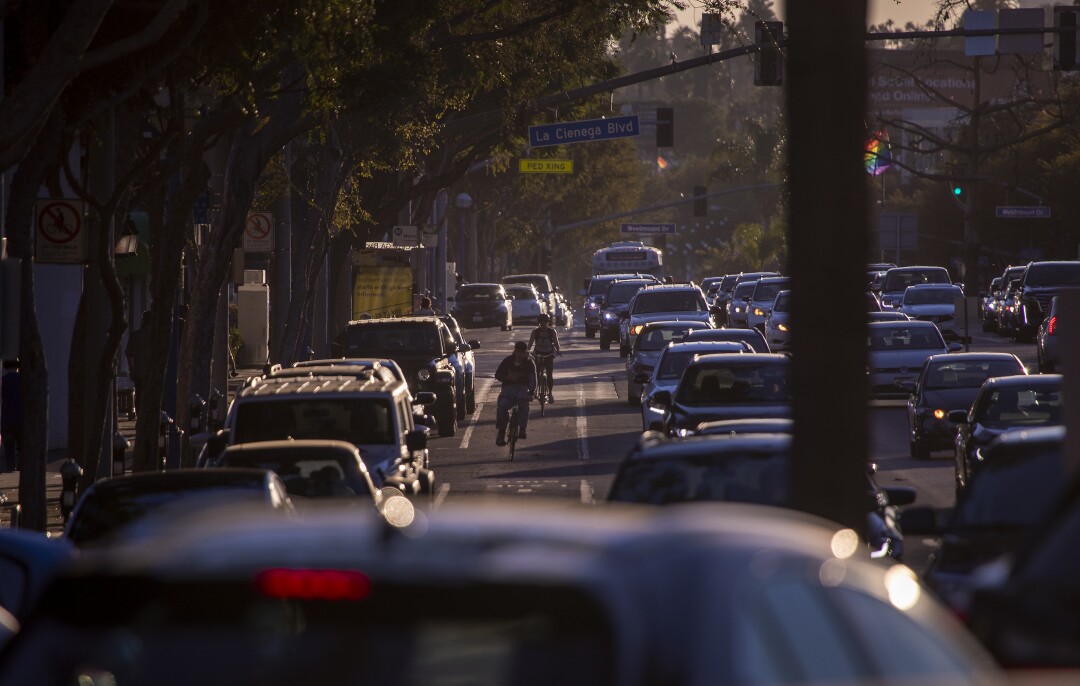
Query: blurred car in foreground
(28,562)
(523,594)
(896,353)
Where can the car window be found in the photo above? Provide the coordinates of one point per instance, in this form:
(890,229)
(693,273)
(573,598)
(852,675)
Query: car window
(478,293)
(672,364)
(1019,407)
(734,384)
(522,293)
(449,344)
(1064,274)
(384,340)
(669,301)
(620,293)
(767,290)
(658,338)
(931,296)
(751,336)
(312,476)
(897,279)
(905,338)
(743,478)
(967,374)
(360,421)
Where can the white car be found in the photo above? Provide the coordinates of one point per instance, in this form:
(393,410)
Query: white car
(934,302)
(896,353)
(528,304)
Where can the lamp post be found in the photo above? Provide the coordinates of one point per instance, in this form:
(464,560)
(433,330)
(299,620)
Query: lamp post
(464,203)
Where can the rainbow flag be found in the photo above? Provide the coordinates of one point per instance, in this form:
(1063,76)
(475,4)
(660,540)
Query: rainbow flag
(878,156)
(661,162)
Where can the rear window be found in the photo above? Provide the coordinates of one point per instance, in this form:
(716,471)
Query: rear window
(734,384)
(932,296)
(899,279)
(478,293)
(141,632)
(669,301)
(388,340)
(905,338)
(969,374)
(1019,407)
(312,476)
(360,421)
(1060,274)
(522,293)
(656,339)
(749,477)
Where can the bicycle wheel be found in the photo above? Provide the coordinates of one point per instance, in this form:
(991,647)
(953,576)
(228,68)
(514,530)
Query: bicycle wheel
(542,387)
(513,432)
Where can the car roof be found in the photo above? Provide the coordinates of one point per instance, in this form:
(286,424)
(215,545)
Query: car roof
(691,346)
(918,286)
(743,359)
(404,319)
(654,287)
(973,357)
(774,279)
(1023,381)
(659,447)
(302,449)
(322,385)
(673,324)
(920,323)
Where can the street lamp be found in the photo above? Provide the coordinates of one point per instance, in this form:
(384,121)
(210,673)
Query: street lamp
(128,243)
(463,202)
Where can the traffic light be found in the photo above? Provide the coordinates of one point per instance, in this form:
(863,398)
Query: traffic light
(957,190)
(701,203)
(769,68)
(665,127)
(1065,39)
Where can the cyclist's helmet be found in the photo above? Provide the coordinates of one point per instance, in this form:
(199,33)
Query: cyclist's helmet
(543,319)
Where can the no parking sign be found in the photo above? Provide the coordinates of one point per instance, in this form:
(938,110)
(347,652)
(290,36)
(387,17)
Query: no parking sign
(60,231)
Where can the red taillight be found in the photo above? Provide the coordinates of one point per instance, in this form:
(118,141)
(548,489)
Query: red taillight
(1050,327)
(313,584)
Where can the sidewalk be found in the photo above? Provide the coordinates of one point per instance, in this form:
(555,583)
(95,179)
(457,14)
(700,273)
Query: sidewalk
(9,482)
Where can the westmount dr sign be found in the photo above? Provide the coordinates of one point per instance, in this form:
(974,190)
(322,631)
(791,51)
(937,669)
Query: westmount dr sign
(1022,211)
(563,133)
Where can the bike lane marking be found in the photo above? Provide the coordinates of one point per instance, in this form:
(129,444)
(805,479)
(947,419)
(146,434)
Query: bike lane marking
(582,427)
(485,386)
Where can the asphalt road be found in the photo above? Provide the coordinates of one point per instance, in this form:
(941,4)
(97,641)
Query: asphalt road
(574,451)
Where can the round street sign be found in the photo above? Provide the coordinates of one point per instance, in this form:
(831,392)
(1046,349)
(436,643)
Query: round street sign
(258,225)
(259,232)
(60,231)
(59,221)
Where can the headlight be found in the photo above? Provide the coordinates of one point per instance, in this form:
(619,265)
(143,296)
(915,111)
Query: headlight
(502,307)
(609,315)
(939,414)
(591,306)
(758,312)
(782,326)
(737,309)
(423,374)
(636,329)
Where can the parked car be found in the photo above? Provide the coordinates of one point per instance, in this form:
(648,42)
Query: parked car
(898,279)
(668,369)
(650,343)
(1047,348)
(666,302)
(383,368)
(761,300)
(464,363)
(896,353)
(727,387)
(477,305)
(544,288)
(934,303)
(778,324)
(1003,403)
(614,305)
(498,593)
(753,337)
(106,510)
(949,382)
(1041,282)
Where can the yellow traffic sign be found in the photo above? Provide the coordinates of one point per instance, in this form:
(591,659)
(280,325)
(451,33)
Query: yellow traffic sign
(546,166)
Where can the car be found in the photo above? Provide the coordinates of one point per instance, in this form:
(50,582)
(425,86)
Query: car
(1047,350)
(497,593)
(593,293)
(28,562)
(719,304)
(887,316)
(728,427)
(988,305)
(752,467)
(716,387)
(753,337)
(422,347)
(541,282)
(1003,403)
(872,302)
(1016,486)
(477,305)
(650,343)
(464,363)
(311,469)
(738,306)
(110,507)
(778,324)
(949,382)
(761,300)
(1010,274)
(1006,314)
(668,369)
(898,279)
(613,306)
(373,413)
(934,303)
(528,304)
(564,313)
(665,302)
(1040,283)
(896,353)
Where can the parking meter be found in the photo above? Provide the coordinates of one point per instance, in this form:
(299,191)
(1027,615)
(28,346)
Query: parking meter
(70,472)
(196,406)
(120,445)
(164,422)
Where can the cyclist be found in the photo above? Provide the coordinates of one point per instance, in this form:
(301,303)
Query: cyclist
(518,376)
(544,342)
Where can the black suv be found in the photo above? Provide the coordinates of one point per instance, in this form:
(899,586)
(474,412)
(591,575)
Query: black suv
(421,346)
(1041,282)
(616,300)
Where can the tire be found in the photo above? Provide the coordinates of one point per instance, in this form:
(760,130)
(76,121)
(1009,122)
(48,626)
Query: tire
(624,351)
(605,342)
(918,452)
(631,399)
(470,401)
(447,419)
(590,333)
(460,405)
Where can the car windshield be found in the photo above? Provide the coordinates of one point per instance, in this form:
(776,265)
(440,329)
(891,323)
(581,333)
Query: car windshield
(657,338)
(898,280)
(783,303)
(1018,407)
(1063,274)
(905,338)
(479,293)
(744,290)
(669,301)
(760,478)
(991,499)
(931,296)
(522,293)
(311,476)
(360,421)
(391,339)
(620,293)
(728,283)
(968,374)
(734,384)
(767,290)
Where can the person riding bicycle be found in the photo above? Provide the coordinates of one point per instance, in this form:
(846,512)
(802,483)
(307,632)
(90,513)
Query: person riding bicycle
(544,342)
(518,376)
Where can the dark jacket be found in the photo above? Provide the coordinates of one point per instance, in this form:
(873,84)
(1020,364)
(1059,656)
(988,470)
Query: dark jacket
(513,374)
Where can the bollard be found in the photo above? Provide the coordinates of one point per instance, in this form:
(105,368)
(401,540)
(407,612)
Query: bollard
(164,423)
(120,446)
(70,472)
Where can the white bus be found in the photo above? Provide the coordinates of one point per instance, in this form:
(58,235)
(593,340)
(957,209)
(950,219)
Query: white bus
(629,257)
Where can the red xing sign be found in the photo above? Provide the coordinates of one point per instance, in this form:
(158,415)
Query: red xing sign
(259,232)
(60,231)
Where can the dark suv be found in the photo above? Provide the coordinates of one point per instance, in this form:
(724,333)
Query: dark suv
(614,305)
(1041,282)
(421,346)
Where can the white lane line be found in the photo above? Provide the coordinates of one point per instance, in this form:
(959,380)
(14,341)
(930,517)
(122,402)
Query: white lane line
(586,492)
(472,425)
(582,427)
(440,495)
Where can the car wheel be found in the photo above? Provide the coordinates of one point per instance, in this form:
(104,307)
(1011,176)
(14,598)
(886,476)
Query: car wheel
(470,401)
(460,405)
(624,351)
(447,419)
(632,399)
(605,342)
(590,333)
(919,452)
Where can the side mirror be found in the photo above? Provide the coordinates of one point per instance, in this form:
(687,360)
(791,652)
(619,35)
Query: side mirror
(662,398)
(958,416)
(475,345)
(955,347)
(424,398)
(463,348)
(417,439)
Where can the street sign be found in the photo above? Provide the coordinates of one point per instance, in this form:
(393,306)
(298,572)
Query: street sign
(406,236)
(383,245)
(546,166)
(648,228)
(259,232)
(980,46)
(712,29)
(583,131)
(898,231)
(60,230)
(1022,211)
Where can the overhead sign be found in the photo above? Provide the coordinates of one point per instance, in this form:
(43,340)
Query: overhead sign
(1022,211)
(546,166)
(584,131)
(648,228)
(406,236)
(259,232)
(60,231)
(980,46)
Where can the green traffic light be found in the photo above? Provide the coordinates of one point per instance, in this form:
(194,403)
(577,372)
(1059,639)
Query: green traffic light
(957,191)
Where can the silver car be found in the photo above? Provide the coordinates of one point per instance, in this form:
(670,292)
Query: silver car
(778,324)
(654,337)
(936,303)
(896,353)
(669,368)
(761,300)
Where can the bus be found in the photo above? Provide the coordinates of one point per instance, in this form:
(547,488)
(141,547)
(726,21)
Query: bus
(628,257)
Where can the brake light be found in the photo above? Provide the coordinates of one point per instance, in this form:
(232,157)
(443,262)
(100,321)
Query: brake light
(313,584)
(1052,326)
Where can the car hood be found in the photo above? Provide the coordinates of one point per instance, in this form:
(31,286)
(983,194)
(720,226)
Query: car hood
(688,417)
(950,398)
(670,317)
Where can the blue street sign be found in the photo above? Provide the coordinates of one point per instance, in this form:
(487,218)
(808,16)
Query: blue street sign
(583,131)
(1022,211)
(648,228)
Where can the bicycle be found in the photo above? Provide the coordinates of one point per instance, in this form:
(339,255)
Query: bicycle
(512,431)
(542,387)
